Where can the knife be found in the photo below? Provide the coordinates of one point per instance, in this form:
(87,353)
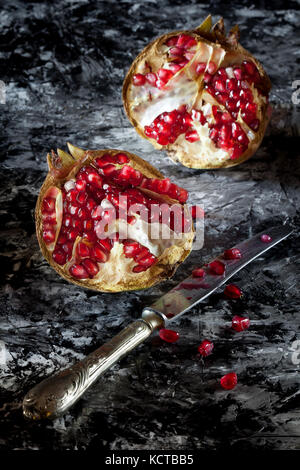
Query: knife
(56,394)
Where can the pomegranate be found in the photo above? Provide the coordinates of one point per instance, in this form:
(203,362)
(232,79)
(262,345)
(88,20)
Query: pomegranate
(200,95)
(109,221)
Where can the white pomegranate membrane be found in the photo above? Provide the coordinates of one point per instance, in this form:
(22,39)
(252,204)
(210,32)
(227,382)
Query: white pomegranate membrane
(203,100)
(109,207)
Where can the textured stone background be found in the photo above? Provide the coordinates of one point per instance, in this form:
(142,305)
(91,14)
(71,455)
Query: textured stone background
(63,64)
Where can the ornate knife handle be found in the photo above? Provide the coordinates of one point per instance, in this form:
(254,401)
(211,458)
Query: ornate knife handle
(54,395)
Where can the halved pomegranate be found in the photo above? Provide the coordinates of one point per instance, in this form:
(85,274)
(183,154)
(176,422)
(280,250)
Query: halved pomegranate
(200,95)
(109,221)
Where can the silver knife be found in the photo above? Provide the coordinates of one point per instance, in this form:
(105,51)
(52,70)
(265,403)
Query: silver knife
(54,395)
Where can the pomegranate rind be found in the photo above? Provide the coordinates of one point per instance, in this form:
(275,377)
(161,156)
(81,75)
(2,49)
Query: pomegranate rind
(167,262)
(211,36)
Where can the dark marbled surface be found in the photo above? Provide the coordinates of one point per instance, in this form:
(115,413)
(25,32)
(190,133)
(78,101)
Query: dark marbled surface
(63,65)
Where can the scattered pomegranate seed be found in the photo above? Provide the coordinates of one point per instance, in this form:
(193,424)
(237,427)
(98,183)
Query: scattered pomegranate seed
(233,292)
(265,238)
(229,381)
(170,336)
(205,348)
(240,323)
(198,272)
(217,267)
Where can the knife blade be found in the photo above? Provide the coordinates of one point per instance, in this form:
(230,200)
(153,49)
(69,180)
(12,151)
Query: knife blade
(193,290)
(56,394)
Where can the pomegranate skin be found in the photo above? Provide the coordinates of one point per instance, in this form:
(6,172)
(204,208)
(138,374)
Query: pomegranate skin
(63,169)
(185,150)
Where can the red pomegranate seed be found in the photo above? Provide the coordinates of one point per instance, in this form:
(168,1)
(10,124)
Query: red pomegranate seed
(170,336)
(164,75)
(142,252)
(48,204)
(211,68)
(184,39)
(198,272)
(50,218)
(106,243)
(240,323)
(59,256)
(189,55)
(82,197)
(91,267)
(229,381)
(83,250)
(233,292)
(48,236)
(131,248)
(76,223)
(81,185)
(73,209)
(220,85)
(217,267)
(192,136)
(90,236)
(72,234)
(172,41)
(151,78)
(71,195)
(95,179)
(249,67)
(61,239)
(254,124)
(176,52)
(207,79)
(236,152)
(88,225)
(99,254)
(68,247)
(148,260)
(78,271)
(265,238)
(200,68)
(138,79)
(233,253)
(205,348)
(139,268)
(122,158)
(174,68)
(90,204)
(238,73)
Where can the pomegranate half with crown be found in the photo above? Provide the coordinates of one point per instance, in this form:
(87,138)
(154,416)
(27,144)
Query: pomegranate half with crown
(109,221)
(200,95)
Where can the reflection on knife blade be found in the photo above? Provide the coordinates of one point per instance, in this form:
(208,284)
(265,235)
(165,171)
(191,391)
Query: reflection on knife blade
(192,290)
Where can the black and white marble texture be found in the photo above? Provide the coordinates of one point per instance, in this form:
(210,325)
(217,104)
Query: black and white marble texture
(63,63)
